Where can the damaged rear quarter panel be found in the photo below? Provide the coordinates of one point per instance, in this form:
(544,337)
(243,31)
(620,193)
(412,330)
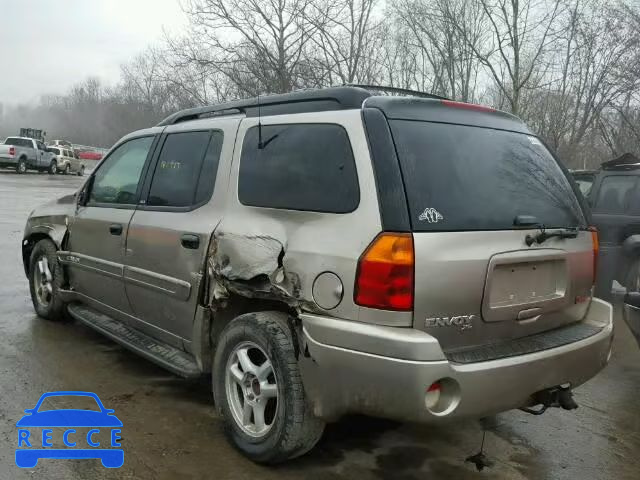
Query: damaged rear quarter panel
(276,253)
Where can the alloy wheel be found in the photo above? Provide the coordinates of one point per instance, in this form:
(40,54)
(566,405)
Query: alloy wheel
(251,389)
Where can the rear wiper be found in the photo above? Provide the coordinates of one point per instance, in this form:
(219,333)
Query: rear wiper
(545,235)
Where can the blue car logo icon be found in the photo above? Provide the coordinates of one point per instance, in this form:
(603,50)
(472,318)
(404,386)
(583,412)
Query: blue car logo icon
(29,452)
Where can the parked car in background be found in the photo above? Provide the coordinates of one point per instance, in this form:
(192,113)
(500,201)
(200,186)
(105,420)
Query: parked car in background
(584,179)
(615,206)
(89,155)
(631,313)
(23,153)
(316,256)
(67,161)
(60,143)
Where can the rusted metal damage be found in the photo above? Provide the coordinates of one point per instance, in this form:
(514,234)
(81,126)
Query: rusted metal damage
(252,266)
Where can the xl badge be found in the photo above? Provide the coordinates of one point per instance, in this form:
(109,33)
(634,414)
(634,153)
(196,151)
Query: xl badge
(463,322)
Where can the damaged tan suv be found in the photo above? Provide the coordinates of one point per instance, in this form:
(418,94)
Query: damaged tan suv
(333,251)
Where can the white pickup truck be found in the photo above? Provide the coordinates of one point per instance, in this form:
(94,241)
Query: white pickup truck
(23,153)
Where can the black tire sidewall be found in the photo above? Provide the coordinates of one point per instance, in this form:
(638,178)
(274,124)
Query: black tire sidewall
(56,308)
(53,166)
(267,449)
(19,168)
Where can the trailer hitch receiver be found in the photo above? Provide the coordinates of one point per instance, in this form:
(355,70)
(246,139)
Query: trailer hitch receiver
(560,397)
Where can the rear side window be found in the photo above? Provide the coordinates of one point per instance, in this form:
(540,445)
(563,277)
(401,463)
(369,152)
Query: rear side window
(616,194)
(461,178)
(300,167)
(177,180)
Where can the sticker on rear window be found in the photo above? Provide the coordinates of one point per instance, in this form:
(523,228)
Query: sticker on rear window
(431,215)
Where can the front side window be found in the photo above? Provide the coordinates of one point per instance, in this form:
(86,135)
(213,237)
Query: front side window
(186,169)
(117,179)
(299,167)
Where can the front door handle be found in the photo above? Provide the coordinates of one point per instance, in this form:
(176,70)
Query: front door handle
(115,229)
(191,241)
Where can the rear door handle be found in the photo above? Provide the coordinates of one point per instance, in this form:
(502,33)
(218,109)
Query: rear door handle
(190,241)
(115,229)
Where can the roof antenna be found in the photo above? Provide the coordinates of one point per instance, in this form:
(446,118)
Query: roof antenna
(260,144)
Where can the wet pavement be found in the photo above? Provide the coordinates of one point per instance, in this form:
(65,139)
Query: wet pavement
(171,429)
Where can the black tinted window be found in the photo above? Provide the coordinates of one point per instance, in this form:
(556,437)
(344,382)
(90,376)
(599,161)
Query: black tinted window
(616,194)
(54,150)
(469,178)
(116,181)
(177,180)
(301,167)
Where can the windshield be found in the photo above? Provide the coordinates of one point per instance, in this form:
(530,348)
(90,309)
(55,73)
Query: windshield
(460,178)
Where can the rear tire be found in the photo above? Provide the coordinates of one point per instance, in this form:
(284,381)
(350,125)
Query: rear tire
(53,167)
(67,169)
(46,278)
(293,429)
(81,171)
(21,168)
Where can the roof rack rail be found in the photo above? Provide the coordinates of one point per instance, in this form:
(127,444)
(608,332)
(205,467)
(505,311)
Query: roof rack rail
(299,101)
(626,161)
(396,90)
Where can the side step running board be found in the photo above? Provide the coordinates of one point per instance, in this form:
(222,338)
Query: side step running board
(174,360)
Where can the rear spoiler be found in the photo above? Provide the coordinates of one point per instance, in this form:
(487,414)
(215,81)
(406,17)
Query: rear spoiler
(623,162)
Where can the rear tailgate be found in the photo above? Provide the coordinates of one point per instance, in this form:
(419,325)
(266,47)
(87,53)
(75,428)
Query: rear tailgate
(477,282)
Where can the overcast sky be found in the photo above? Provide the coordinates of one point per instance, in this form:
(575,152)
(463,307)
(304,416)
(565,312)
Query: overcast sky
(48,45)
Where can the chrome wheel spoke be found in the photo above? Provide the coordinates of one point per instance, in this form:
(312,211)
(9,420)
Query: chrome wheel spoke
(236,374)
(247,410)
(269,390)
(264,370)
(258,416)
(245,362)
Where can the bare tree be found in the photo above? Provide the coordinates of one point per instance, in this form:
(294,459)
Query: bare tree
(447,33)
(347,40)
(257,45)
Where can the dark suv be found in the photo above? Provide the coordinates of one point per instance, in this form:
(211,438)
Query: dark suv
(615,202)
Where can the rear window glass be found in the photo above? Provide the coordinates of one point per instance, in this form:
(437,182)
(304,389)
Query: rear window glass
(616,194)
(54,150)
(18,142)
(471,178)
(301,167)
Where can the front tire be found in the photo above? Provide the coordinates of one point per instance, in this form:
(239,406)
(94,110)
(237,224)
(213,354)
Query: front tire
(258,389)
(45,280)
(53,167)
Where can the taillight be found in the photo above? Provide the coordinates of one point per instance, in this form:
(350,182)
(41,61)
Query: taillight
(385,273)
(12,151)
(468,106)
(596,250)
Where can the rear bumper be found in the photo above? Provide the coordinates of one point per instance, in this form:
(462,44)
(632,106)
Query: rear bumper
(390,377)
(8,161)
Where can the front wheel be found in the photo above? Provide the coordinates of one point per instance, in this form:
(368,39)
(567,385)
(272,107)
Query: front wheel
(53,167)
(258,389)
(45,281)
(81,171)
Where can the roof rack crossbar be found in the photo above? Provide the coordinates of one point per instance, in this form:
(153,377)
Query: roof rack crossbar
(404,91)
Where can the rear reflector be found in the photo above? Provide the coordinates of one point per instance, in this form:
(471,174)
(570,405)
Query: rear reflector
(468,106)
(596,250)
(384,278)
